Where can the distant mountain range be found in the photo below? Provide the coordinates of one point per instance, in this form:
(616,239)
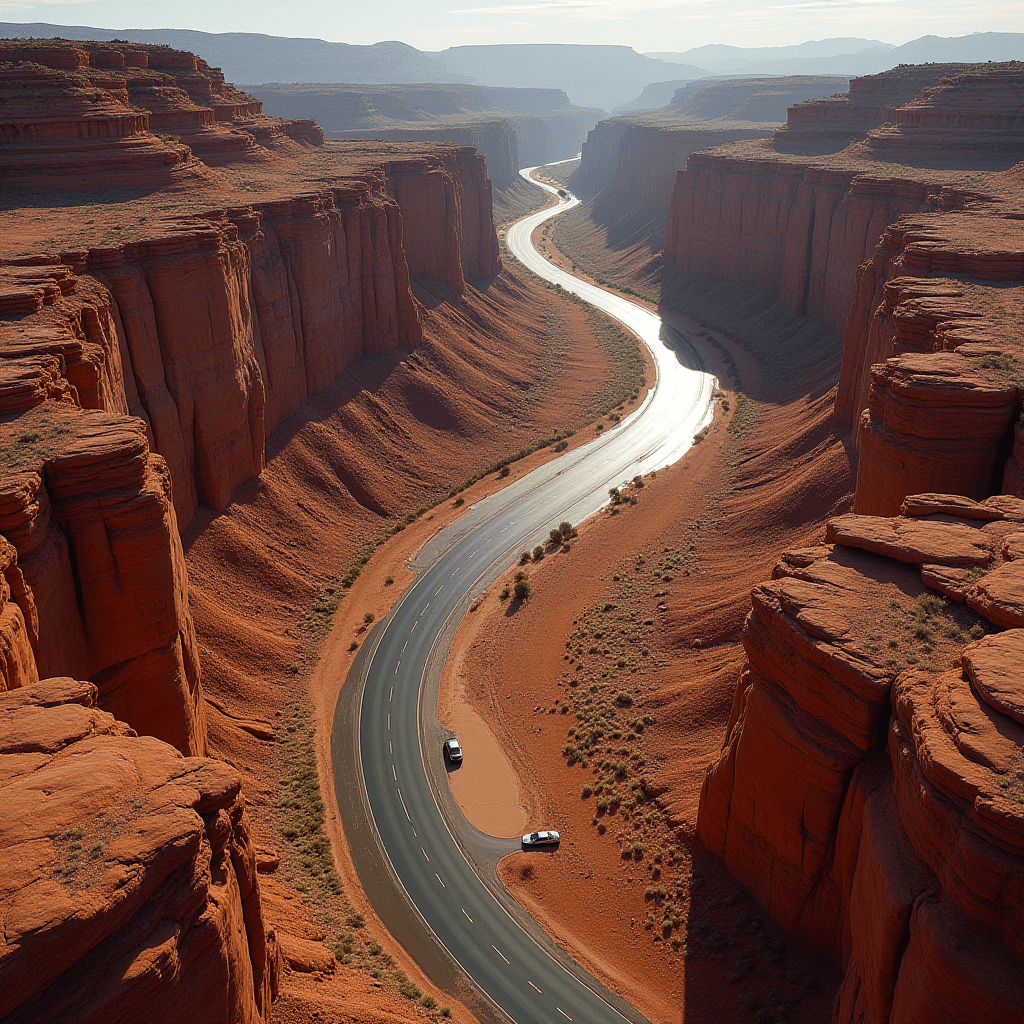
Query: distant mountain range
(849,57)
(607,77)
(593,76)
(250,57)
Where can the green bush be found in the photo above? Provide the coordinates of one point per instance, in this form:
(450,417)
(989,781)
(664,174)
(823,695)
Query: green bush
(524,557)
(522,590)
(538,553)
(555,536)
(505,592)
(504,471)
(388,580)
(369,617)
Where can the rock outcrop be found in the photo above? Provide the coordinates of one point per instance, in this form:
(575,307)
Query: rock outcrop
(931,377)
(220,327)
(140,379)
(973,113)
(870,790)
(97,114)
(829,123)
(777,214)
(130,875)
(92,539)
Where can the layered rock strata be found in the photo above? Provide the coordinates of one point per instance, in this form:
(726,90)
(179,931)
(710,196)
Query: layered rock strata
(921,268)
(96,115)
(130,874)
(870,790)
(973,113)
(831,122)
(93,540)
(755,214)
(221,327)
(932,356)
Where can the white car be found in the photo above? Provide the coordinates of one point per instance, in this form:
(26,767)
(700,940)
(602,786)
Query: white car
(452,751)
(545,838)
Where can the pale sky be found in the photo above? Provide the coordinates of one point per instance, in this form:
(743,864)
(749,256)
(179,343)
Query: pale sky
(643,24)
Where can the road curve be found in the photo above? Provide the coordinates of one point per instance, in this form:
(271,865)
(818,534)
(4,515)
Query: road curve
(443,865)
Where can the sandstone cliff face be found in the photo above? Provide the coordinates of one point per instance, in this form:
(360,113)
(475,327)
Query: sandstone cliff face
(511,128)
(821,125)
(930,376)
(870,788)
(90,119)
(798,230)
(131,874)
(972,113)
(88,512)
(642,153)
(223,326)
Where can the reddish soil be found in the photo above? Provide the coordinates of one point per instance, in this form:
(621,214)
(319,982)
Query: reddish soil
(648,604)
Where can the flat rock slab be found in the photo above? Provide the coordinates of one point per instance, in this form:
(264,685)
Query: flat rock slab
(999,596)
(995,666)
(948,504)
(911,540)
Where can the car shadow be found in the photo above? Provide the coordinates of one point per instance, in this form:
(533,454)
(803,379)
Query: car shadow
(451,766)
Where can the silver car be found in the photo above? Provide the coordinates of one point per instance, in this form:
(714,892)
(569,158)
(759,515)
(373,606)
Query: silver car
(452,751)
(545,838)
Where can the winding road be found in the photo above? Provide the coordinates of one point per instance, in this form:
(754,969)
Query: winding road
(407,836)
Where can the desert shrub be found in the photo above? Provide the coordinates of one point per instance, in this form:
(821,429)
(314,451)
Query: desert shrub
(388,580)
(369,617)
(522,590)
(524,557)
(504,471)
(566,530)
(555,536)
(538,553)
(459,501)
(505,592)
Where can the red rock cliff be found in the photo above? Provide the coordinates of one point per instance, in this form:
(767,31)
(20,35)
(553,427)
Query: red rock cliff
(869,790)
(131,874)
(88,511)
(931,375)
(222,326)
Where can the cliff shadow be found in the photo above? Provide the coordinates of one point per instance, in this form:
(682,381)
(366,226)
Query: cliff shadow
(739,964)
(797,356)
(334,458)
(64,199)
(431,293)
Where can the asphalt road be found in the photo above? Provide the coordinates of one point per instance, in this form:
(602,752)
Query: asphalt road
(445,866)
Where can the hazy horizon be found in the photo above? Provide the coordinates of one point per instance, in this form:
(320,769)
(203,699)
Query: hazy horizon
(646,25)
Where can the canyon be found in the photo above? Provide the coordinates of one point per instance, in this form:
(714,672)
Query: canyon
(867,789)
(164,347)
(511,128)
(842,738)
(246,356)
